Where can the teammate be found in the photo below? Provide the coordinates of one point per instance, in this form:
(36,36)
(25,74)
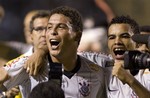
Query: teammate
(143,46)
(120,82)
(15,69)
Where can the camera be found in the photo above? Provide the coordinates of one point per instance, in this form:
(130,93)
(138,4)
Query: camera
(135,60)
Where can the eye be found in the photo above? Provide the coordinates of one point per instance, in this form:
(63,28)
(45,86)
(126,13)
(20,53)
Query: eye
(62,26)
(49,27)
(126,35)
(111,37)
(38,29)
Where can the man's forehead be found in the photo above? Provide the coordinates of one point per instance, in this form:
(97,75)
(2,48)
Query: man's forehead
(40,21)
(57,18)
(119,28)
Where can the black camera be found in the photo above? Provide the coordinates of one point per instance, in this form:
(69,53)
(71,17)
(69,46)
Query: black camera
(135,60)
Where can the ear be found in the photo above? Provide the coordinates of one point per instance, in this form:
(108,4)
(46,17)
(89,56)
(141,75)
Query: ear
(31,37)
(77,37)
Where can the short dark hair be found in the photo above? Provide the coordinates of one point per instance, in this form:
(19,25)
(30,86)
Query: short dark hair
(73,14)
(48,89)
(145,28)
(39,14)
(126,20)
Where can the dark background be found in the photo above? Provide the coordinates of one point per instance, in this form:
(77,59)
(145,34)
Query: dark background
(15,10)
(11,28)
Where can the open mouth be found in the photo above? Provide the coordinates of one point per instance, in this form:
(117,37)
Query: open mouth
(54,44)
(119,53)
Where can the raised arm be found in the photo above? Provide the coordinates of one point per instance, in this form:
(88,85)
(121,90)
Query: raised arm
(129,79)
(102,4)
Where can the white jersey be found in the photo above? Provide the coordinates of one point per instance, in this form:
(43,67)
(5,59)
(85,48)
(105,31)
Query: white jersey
(115,88)
(86,82)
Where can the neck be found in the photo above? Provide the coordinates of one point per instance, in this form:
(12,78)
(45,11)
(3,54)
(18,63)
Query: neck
(69,62)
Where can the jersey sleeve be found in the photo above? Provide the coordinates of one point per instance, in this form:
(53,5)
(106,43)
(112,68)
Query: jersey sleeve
(16,71)
(98,58)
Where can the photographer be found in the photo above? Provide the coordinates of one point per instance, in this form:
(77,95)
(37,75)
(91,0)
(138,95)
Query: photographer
(141,56)
(140,45)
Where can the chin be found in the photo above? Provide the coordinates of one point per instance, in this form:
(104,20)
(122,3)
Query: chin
(54,53)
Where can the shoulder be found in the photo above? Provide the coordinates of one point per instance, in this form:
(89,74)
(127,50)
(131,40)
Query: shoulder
(94,54)
(17,61)
(89,64)
(99,58)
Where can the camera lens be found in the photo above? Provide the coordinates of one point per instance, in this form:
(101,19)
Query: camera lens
(136,60)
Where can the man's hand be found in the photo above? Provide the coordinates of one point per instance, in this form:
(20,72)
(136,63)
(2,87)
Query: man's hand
(12,92)
(121,73)
(35,62)
(3,75)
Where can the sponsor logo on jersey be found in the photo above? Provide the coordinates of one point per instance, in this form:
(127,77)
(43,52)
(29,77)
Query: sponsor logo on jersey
(11,62)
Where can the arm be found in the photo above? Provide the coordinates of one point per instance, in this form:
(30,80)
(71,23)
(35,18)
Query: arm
(3,75)
(34,64)
(12,92)
(126,77)
(9,93)
(105,7)
(13,73)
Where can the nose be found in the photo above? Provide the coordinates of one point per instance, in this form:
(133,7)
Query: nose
(44,32)
(53,31)
(118,40)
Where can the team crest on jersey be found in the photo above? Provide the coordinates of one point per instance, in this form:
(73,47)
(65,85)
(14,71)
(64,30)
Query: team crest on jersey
(85,89)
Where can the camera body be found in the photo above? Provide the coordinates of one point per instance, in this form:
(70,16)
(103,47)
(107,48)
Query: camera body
(135,60)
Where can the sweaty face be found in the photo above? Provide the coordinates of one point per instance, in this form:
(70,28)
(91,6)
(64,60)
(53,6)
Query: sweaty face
(38,34)
(119,40)
(59,36)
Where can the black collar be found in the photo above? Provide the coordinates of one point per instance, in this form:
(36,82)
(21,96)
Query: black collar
(69,74)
